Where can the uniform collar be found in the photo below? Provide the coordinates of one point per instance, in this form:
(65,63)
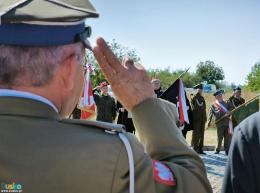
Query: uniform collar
(18,106)
(23,94)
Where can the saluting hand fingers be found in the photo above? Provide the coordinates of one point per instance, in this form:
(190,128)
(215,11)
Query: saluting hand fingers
(109,55)
(105,67)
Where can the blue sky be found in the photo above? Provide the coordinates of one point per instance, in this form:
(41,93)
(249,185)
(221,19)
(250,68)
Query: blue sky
(181,33)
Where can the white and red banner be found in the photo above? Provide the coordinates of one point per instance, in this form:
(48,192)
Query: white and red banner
(87,103)
(183,111)
(223,109)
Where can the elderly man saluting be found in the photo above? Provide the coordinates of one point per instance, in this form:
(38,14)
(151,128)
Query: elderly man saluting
(41,78)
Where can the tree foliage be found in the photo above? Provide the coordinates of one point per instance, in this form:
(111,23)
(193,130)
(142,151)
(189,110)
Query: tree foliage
(119,50)
(253,78)
(167,77)
(210,72)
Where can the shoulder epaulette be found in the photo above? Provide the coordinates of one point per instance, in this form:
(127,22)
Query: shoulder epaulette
(108,127)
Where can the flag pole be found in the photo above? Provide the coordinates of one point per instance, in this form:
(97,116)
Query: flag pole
(183,73)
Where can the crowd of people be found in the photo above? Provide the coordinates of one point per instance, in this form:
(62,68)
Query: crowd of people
(42,46)
(108,107)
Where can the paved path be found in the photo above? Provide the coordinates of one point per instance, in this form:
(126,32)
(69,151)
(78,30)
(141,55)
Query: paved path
(215,164)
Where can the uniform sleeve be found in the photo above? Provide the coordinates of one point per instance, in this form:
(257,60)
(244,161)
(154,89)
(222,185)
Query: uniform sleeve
(239,174)
(230,105)
(164,144)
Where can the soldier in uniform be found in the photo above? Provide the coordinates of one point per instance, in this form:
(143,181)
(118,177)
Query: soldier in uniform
(106,105)
(236,99)
(41,79)
(221,111)
(198,105)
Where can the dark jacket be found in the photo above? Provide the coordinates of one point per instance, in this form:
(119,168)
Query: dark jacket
(220,119)
(236,102)
(106,107)
(124,119)
(158,92)
(243,168)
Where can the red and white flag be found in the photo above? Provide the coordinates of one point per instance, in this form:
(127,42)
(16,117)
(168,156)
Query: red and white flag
(182,104)
(223,109)
(87,103)
(176,94)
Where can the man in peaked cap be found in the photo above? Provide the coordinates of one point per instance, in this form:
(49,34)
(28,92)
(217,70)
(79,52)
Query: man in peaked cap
(41,50)
(221,111)
(199,119)
(236,99)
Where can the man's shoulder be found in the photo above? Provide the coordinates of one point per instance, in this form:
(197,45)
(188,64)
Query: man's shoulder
(242,100)
(103,126)
(105,134)
(195,97)
(250,127)
(231,98)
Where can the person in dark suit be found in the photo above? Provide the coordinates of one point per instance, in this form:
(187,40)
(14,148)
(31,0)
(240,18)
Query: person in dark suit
(125,118)
(243,168)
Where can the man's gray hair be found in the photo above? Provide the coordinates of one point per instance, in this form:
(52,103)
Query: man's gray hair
(32,66)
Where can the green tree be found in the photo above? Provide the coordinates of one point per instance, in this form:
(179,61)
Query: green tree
(119,50)
(167,77)
(210,72)
(253,78)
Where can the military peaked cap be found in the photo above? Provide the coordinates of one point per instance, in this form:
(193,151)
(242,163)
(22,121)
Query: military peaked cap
(45,22)
(237,88)
(218,92)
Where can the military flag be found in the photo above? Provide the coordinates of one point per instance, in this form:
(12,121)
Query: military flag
(177,95)
(87,103)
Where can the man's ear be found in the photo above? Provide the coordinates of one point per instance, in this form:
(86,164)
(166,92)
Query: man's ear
(68,72)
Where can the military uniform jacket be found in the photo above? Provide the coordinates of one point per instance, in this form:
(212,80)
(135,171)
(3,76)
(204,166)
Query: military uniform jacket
(243,168)
(236,102)
(198,108)
(106,107)
(46,154)
(219,114)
